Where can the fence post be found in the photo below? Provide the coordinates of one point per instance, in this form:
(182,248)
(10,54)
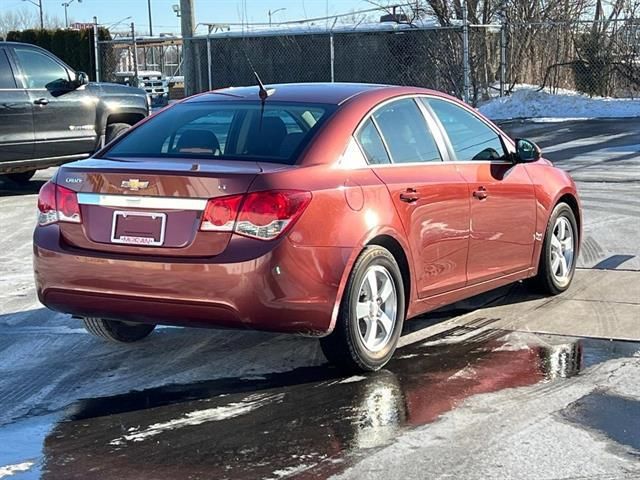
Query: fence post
(209,60)
(135,54)
(465,53)
(96,51)
(332,57)
(503,58)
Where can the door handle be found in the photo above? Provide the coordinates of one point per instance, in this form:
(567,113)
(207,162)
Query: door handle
(410,195)
(41,101)
(480,193)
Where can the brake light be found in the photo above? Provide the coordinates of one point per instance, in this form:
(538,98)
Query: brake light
(220,214)
(57,204)
(261,215)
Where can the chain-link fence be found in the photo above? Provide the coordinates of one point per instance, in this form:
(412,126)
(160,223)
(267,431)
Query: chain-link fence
(595,58)
(599,59)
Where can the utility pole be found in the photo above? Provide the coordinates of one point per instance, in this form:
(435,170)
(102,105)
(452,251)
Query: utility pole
(187,21)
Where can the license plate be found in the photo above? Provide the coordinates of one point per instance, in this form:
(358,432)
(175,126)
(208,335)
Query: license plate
(138,228)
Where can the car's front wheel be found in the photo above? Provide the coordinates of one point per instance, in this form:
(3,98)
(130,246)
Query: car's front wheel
(371,314)
(559,251)
(116,330)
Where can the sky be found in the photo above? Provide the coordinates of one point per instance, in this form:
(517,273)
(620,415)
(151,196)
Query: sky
(209,11)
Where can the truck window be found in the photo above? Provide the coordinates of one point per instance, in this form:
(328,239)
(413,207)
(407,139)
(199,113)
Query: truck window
(40,70)
(6,74)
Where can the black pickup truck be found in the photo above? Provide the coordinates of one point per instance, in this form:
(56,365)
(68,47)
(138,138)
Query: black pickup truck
(50,114)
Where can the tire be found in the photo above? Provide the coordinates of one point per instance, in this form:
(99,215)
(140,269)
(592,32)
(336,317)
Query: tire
(117,331)
(115,130)
(22,177)
(553,278)
(347,347)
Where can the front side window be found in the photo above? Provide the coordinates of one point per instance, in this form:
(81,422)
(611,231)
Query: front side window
(39,69)
(470,137)
(227,131)
(406,133)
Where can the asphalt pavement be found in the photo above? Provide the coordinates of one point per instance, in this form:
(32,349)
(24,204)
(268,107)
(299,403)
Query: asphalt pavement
(505,385)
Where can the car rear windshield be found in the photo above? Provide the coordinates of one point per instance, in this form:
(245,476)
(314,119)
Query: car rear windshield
(226,130)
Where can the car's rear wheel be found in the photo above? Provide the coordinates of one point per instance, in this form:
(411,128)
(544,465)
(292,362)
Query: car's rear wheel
(371,314)
(115,130)
(558,257)
(21,177)
(117,331)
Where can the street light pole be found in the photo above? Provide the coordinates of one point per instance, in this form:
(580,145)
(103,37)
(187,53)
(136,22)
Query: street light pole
(150,21)
(39,5)
(66,5)
(274,12)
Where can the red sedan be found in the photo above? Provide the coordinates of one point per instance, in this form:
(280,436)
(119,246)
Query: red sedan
(331,210)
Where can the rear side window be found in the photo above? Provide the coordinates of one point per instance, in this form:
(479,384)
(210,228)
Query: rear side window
(406,133)
(370,141)
(227,130)
(470,137)
(6,74)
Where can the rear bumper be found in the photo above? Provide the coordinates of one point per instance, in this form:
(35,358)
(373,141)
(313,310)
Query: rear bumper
(285,289)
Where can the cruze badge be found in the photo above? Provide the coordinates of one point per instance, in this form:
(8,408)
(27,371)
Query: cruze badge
(134,184)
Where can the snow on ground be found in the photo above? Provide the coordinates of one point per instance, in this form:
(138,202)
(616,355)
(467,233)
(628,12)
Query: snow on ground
(527,102)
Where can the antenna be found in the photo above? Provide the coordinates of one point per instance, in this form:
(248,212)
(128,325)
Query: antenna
(263,93)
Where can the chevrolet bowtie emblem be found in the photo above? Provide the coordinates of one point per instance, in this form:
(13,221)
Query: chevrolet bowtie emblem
(134,184)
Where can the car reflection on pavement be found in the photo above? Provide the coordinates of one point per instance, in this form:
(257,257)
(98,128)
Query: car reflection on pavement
(309,422)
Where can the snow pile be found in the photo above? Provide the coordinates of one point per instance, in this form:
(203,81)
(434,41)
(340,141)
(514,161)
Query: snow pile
(527,102)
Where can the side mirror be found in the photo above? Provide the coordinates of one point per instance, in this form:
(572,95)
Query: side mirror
(527,151)
(81,79)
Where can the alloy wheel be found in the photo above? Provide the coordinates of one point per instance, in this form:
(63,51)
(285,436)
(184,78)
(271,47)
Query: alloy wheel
(562,250)
(377,308)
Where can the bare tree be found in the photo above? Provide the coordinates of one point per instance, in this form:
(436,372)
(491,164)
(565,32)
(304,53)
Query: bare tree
(26,18)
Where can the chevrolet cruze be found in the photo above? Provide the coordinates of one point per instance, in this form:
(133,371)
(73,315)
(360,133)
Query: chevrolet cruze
(328,210)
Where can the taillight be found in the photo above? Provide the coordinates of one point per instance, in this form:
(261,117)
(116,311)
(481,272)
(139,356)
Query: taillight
(220,214)
(57,204)
(47,204)
(262,215)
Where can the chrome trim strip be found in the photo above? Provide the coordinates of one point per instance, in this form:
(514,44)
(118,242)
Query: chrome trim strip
(133,201)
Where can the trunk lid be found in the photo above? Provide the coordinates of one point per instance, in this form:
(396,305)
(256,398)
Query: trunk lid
(151,206)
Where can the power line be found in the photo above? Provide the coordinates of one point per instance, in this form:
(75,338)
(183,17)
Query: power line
(314,19)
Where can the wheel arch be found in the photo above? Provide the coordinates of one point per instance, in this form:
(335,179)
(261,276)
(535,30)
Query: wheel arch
(572,201)
(130,118)
(386,237)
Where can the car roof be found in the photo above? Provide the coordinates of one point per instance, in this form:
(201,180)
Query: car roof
(327,93)
(4,43)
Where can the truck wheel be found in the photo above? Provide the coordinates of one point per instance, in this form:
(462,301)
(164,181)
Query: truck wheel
(371,314)
(22,177)
(117,331)
(115,130)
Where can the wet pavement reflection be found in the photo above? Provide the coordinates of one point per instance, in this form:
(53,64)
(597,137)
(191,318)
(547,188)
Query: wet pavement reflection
(307,423)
